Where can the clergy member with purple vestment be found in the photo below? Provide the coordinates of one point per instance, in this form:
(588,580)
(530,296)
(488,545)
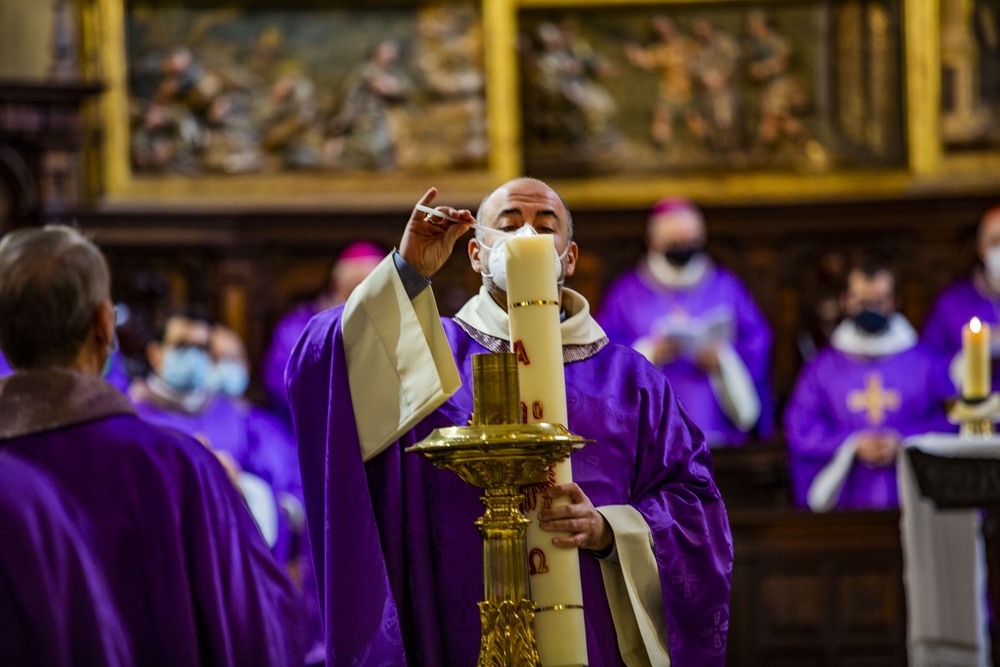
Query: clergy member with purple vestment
(192,578)
(352,266)
(56,609)
(976,295)
(853,404)
(697,322)
(376,375)
(177,395)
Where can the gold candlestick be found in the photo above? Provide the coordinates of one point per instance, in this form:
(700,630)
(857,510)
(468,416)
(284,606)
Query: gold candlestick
(975,417)
(499,455)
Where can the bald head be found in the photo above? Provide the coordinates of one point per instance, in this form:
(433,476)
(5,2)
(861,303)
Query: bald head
(525,196)
(523,201)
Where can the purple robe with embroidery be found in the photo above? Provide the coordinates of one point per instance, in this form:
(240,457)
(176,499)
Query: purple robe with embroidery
(634,304)
(838,395)
(55,606)
(189,571)
(399,559)
(956,305)
(272,366)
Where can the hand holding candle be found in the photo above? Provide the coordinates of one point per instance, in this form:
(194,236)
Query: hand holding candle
(977,382)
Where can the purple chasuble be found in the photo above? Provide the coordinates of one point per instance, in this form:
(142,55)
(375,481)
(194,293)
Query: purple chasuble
(191,575)
(955,306)
(838,395)
(272,366)
(633,308)
(399,560)
(55,606)
(5,368)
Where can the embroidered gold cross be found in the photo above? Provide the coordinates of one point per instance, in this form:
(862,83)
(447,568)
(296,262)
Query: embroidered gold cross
(873,400)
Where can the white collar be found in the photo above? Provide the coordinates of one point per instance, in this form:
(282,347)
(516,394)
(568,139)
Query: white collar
(898,337)
(482,313)
(668,275)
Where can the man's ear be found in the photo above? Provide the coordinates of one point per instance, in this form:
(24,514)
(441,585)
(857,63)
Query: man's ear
(571,257)
(474,255)
(104,323)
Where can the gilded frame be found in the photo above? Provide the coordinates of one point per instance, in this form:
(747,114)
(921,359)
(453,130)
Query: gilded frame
(929,170)
(103,37)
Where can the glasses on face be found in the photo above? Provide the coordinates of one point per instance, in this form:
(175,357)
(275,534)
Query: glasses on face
(187,345)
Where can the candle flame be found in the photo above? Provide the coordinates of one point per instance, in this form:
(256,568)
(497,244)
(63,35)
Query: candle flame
(975,325)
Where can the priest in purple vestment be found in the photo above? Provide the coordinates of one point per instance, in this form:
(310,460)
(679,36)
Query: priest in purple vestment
(192,578)
(976,295)
(697,322)
(352,266)
(376,375)
(177,394)
(853,404)
(56,609)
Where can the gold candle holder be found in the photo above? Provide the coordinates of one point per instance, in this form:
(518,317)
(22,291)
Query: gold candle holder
(975,417)
(499,455)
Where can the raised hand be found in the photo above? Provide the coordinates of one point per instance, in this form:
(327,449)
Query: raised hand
(428,240)
(589,528)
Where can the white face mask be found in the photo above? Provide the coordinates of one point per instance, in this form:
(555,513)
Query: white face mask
(992,261)
(497,262)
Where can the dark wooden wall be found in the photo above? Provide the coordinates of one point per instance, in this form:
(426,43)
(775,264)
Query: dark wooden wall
(249,268)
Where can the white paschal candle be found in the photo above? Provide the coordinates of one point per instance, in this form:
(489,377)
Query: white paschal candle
(532,298)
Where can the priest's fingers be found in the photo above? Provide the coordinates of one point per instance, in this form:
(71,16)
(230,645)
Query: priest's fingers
(572,490)
(579,541)
(575,525)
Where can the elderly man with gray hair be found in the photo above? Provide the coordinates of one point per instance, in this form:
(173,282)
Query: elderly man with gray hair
(186,565)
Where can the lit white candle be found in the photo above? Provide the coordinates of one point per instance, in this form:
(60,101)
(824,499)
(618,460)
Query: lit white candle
(532,298)
(976,381)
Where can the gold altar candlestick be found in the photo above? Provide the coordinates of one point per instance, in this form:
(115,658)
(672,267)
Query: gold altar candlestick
(499,455)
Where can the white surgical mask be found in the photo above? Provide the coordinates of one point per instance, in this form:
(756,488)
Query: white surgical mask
(497,261)
(992,262)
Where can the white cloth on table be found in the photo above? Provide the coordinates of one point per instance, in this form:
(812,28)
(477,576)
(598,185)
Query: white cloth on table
(944,564)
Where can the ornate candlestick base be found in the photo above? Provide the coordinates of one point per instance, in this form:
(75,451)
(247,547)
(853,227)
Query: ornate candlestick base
(500,455)
(975,417)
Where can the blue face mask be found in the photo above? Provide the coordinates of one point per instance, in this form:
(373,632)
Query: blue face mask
(109,363)
(228,377)
(185,369)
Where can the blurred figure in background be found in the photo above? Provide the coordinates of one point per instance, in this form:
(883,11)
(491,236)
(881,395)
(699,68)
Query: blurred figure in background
(976,295)
(55,605)
(272,453)
(352,266)
(859,397)
(177,394)
(697,322)
(191,576)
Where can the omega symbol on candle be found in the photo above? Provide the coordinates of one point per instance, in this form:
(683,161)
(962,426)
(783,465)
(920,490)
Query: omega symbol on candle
(540,567)
(536,410)
(522,355)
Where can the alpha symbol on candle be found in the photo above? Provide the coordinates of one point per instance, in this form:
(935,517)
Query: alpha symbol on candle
(538,567)
(536,410)
(522,355)
(873,400)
